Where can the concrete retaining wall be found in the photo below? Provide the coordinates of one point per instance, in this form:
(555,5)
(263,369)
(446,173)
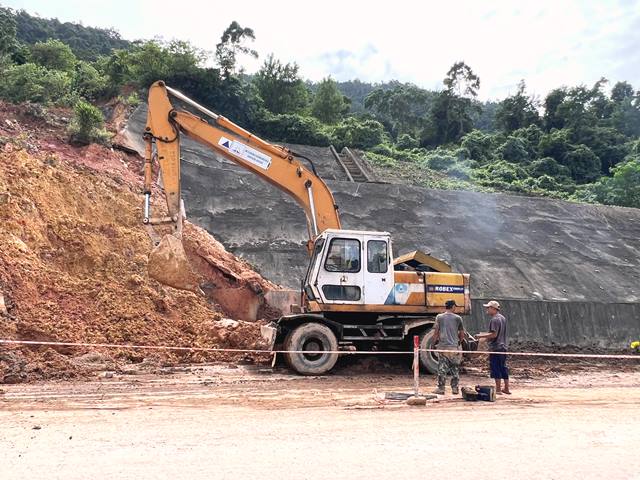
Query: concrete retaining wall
(608,325)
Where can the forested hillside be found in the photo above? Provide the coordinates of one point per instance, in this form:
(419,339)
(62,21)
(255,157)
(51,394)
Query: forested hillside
(579,142)
(87,43)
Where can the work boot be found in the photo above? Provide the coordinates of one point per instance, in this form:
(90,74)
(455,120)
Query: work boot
(439,391)
(455,391)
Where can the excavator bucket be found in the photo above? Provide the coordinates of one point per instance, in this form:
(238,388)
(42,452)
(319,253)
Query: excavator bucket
(168,264)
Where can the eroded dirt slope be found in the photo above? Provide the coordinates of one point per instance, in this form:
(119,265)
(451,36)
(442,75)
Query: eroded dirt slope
(73,258)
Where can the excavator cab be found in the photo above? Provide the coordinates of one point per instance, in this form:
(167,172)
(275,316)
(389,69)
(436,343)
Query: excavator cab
(356,268)
(350,267)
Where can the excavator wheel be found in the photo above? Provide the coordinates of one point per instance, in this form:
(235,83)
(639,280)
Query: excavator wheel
(312,337)
(428,360)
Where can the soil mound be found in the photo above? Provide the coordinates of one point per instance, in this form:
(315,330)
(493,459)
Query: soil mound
(73,260)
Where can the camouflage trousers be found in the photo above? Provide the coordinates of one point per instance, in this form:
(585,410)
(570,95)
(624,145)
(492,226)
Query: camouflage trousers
(448,366)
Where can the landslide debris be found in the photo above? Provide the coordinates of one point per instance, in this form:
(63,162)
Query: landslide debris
(73,262)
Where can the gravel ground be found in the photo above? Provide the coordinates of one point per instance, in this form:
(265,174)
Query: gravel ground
(249,422)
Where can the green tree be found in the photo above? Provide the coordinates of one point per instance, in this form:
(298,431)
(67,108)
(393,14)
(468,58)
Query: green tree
(626,114)
(622,91)
(148,62)
(183,57)
(88,82)
(356,91)
(33,83)
(479,145)
(623,188)
(231,97)
(548,166)
(54,55)
(231,44)
(552,117)
(583,164)
(556,145)
(360,133)
(574,110)
(517,111)
(547,182)
(485,116)
(606,142)
(439,159)
(406,142)
(404,108)
(153,60)
(577,108)
(514,150)
(625,185)
(8,31)
(531,136)
(461,81)
(499,173)
(87,125)
(117,67)
(453,109)
(280,87)
(600,105)
(293,128)
(329,105)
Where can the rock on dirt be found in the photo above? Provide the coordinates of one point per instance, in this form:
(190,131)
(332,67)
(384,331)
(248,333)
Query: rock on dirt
(3,305)
(416,401)
(168,264)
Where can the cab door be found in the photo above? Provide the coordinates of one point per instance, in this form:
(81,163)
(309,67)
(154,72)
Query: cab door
(340,276)
(378,272)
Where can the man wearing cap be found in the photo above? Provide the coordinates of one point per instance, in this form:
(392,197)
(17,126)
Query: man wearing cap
(448,333)
(497,342)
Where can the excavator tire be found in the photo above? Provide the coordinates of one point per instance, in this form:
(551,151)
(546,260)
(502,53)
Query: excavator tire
(428,360)
(311,336)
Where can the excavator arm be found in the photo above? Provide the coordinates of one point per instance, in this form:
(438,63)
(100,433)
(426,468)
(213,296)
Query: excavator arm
(277,165)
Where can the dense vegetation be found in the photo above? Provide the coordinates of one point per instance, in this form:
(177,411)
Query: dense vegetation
(579,142)
(87,43)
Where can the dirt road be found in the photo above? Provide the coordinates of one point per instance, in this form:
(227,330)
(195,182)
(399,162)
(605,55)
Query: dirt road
(220,422)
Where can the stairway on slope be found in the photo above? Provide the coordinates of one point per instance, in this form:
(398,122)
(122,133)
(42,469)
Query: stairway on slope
(353,170)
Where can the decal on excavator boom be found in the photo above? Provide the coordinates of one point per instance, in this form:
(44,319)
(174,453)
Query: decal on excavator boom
(246,153)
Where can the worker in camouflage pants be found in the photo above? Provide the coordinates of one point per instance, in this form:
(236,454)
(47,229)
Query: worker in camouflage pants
(448,333)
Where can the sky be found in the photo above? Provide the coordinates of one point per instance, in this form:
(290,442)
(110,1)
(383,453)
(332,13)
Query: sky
(547,43)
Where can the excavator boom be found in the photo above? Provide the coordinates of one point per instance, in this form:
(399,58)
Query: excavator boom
(275,164)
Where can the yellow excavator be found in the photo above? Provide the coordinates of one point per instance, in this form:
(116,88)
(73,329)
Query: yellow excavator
(354,295)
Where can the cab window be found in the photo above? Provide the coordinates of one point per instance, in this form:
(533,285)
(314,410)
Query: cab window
(377,258)
(340,292)
(343,256)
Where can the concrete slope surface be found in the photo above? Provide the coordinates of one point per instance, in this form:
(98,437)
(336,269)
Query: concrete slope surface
(515,247)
